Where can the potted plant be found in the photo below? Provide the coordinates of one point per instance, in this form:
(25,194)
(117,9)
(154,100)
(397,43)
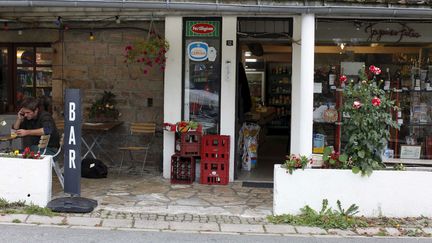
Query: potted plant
(104,109)
(149,52)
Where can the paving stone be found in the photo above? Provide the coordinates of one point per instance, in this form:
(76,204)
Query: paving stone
(194,226)
(393,231)
(427,230)
(117,223)
(310,230)
(368,231)
(36,219)
(11,217)
(242,228)
(83,221)
(283,229)
(341,232)
(149,224)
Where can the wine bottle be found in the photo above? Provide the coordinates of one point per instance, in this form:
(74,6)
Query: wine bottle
(332,77)
(387,81)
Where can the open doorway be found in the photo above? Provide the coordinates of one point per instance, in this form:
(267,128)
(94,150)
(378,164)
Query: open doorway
(264,96)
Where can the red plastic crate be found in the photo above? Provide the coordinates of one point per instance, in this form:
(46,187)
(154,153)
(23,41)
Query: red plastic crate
(182,169)
(215,148)
(189,144)
(214,173)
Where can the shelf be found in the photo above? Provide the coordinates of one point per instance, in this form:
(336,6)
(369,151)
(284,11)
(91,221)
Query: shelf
(278,126)
(273,93)
(279,104)
(417,124)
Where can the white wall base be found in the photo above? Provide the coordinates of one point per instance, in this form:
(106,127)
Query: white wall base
(384,193)
(26,180)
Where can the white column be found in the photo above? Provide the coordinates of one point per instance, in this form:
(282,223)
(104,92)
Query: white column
(228,85)
(302,85)
(172,86)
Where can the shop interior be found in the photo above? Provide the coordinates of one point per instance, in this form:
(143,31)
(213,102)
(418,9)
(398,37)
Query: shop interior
(264,95)
(342,47)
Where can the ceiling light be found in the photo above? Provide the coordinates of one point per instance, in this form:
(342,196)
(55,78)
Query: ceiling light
(91,37)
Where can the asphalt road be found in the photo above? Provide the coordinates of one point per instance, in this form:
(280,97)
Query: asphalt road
(26,233)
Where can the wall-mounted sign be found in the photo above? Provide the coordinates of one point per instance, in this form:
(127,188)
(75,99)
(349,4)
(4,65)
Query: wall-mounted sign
(202,28)
(376,34)
(197,51)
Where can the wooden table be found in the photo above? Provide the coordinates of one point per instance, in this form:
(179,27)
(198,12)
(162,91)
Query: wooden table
(97,131)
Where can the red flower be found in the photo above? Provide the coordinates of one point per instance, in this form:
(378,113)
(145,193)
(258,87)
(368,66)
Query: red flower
(357,104)
(376,101)
(374,70)
(342,79)
(128,48)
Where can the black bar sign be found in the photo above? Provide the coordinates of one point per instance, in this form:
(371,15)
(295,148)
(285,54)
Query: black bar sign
(72,142)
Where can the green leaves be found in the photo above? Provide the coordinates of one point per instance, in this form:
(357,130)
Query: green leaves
(366,131)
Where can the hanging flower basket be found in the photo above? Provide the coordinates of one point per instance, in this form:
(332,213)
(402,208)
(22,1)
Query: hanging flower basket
(150,52)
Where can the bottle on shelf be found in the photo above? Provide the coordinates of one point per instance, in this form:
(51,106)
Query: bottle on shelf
(388,80)
(332,77)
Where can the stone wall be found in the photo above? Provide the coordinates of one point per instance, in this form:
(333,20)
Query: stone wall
(98,65)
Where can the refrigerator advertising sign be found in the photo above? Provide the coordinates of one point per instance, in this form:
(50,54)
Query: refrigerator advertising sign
(202,72)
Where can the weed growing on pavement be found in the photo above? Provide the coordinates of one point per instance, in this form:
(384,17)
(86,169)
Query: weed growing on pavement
(20,207)
(16,221)
(326,218)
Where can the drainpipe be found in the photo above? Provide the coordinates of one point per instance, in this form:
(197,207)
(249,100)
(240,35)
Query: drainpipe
(168,5)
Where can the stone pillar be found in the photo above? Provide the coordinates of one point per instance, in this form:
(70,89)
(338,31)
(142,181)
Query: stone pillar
(302,85)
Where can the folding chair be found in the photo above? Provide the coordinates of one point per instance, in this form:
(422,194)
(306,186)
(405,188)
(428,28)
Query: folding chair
(55,160)
(139,130)
(43,144)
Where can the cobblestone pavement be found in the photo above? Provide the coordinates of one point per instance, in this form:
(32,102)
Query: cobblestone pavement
(151,203)
(152,194)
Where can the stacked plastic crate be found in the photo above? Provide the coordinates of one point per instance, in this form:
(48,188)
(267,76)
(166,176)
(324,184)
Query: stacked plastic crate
(215,159)
(187,149)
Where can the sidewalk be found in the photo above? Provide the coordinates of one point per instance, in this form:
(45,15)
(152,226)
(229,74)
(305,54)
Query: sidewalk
(151,203)
(106,220)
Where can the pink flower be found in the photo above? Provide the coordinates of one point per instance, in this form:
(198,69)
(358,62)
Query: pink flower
(342,79)
(128,48)
(145,71)
(357,104)
(374,70)
(376,101)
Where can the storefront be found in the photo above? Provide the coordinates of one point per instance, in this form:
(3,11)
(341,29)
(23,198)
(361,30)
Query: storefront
(319,40)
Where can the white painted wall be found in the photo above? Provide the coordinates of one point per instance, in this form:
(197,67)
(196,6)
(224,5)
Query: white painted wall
(26,180)
(386,193)
(228,86)
(172,86)
(302,85)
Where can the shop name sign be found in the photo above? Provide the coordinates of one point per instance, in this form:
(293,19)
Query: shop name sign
(197,51)
(202,28)
(405,31)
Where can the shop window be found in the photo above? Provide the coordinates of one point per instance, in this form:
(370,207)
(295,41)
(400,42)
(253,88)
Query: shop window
(25,70)
(345,46)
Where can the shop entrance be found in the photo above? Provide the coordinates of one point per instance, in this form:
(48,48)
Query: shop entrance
(264,96)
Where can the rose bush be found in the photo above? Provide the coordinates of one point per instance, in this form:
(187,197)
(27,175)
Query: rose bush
(366,121)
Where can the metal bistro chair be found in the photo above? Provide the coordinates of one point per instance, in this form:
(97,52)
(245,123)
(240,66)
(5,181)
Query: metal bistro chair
(139,130)
(55,162)
(42,147)
(43,144)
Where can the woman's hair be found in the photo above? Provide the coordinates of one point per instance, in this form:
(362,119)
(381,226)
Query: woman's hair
(30,103)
